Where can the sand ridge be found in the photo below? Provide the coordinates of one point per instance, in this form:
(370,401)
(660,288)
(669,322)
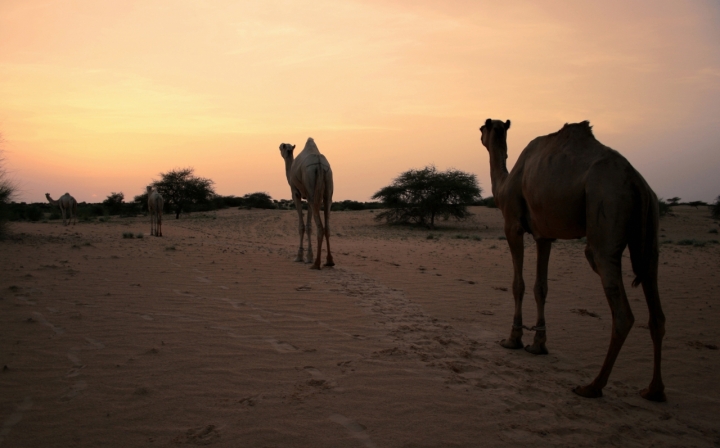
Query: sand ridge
(211,335)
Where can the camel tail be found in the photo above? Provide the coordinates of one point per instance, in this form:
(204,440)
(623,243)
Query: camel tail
(319,182)
(643,242)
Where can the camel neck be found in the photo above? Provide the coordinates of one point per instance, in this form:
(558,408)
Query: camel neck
(498,167)
(288,165)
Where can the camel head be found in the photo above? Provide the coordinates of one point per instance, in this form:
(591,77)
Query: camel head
(149,189)
(286,150)
(493,130)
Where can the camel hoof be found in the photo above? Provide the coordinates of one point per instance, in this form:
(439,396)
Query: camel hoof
(299,260)
(653,395)
(588,391)
(329,263)
(315,266)
(512,344)
(536,349)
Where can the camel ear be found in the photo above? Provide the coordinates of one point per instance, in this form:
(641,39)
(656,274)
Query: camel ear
(507,125)
(293,146)
(488,123)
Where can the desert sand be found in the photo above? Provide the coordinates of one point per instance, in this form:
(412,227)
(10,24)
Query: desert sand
(212,335)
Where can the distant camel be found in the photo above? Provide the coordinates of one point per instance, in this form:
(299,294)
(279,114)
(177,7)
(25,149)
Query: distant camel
(68,205)
(567,185)
(155,210)
(310,177)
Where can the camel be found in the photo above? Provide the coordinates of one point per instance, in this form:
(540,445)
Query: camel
(68,205)
(567,185)
(310,177)
(155,209)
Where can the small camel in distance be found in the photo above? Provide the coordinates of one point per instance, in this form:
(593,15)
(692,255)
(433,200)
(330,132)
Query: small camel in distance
(567,185)
(310,177)
(68,206)
(155,210)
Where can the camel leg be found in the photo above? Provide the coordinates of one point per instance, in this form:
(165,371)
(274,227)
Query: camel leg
(158,225)
(308,228)
(328,205)
(320,234)
(540,290)
(656,390)
(301,226)
(609,268)
(515,241)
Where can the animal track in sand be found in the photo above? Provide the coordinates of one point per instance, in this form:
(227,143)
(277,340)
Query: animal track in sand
(281,347)
(356,430)
(75,389)
(40,318)
(15,417)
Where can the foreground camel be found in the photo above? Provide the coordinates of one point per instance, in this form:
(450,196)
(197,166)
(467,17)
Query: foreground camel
(68,206)
(567,185)
(155,210)
(310,177)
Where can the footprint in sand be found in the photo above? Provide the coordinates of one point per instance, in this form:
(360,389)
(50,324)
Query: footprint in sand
(223,287)
(146,317)
(75,389)
(186,294)
(259,318)
(356,429)
(15,418)
(40,318)
(94,343)
(74,359)
(203,279)
(281,347)
(318,379)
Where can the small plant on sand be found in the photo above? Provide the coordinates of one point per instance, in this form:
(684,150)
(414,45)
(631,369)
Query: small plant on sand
(128,235)
(170,248)
(139,235)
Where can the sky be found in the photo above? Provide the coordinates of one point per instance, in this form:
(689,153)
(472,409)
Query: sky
(101,96)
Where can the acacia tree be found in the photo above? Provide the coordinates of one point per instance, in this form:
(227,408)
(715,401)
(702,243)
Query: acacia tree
(114,202)
(419,196)
(180,188)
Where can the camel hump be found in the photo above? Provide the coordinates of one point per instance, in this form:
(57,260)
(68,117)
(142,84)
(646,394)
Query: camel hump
(577,129)
(310,145)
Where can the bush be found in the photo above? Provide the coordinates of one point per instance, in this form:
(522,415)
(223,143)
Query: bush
(257,200)
(7,190)
(114,202)
(488,202)
(715,208)
(419,196)
(664,207)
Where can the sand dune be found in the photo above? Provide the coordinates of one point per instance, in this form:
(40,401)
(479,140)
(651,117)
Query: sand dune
(211,335)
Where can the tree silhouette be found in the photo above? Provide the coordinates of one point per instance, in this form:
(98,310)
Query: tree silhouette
(180,188)
(419,196)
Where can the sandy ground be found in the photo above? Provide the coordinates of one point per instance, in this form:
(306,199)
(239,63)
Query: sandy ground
(212,335)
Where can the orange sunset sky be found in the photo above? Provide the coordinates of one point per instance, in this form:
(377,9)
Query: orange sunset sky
(98,96)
